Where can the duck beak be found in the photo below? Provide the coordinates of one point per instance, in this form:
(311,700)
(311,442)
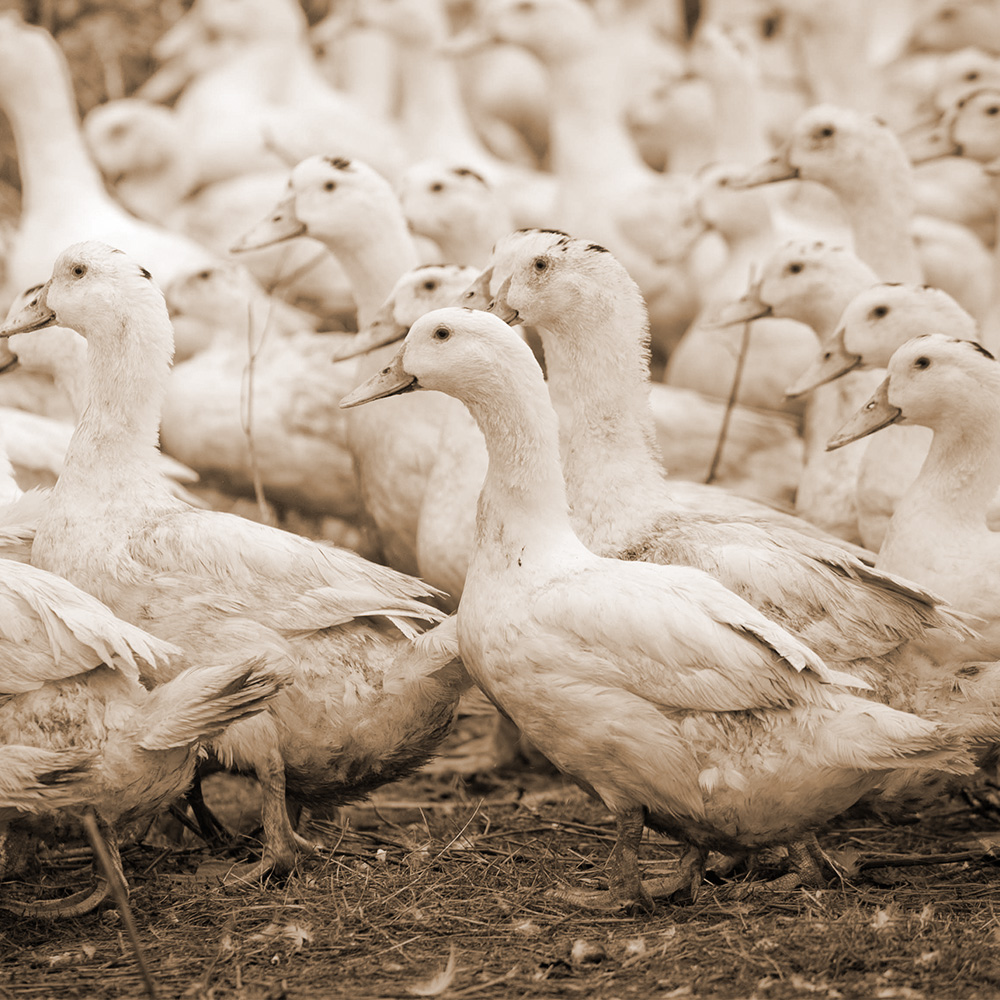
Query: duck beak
(383,330)
(33,315)
(501,307)
(924,144)
(477,295)
(777,168)
(831,364)
(992,169)
(743,310)
(282,224)
(390,381)
(877,413)
(8,359)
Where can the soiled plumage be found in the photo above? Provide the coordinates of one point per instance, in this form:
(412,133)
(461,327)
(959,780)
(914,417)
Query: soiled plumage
(666,695)
(369,699)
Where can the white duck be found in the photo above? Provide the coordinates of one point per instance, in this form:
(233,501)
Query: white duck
(370,697)
(62,196)
(456,207)
(69,683)
(874,325)
(939,533)
(354,212)
(263,383)
(260,90)
(862,161)
(813,282)
(621,504)
(685,702)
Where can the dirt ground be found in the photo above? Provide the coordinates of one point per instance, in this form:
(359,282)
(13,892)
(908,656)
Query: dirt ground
(440,887)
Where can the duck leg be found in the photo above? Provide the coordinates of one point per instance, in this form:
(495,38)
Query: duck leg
(626,887)
(281,843)
(690,875)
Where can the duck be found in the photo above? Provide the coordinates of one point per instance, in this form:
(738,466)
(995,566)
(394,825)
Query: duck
(718,699)
(354,212)
(63,198)
(258,91)
(939,533)
(19,510)
(70,685)
(812,281)
(873,326)
(371,691)
(863,162)
(622,505)
(212,411)
(140,149)
(62,355)
(456,207)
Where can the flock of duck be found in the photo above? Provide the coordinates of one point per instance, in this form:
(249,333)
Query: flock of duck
(792,620)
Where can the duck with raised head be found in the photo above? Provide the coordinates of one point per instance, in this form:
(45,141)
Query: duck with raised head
(662,693)
(623,506)
(939,534)
(371,695)
(874,324)
(812,282)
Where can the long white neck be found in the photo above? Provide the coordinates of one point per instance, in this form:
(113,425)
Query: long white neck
(522,507)
(589,140)
(113,447)
(373,261)
(880,212)
(55,167)
(433,111)
(960,475)
(610,456)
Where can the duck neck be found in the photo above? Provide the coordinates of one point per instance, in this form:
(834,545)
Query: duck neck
(115,441)
(433,111)
(601,378)
(880,212)
(990,332)
(55,168)
(960,475)
(523,504)
(374,260)
(589,139)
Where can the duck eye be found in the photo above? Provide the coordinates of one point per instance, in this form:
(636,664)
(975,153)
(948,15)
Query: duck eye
(825,132)
(79,270)
(972,76)
(922,362)
(795,268)
(203,275)
(437,187)
(993,110)
(430,285)
(878,312)
(330,186)
(442,333)
(540,264)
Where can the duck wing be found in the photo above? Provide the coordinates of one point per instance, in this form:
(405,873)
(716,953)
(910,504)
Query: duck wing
(50,630)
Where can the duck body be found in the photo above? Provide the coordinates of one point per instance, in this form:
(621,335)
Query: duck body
(368,695)
(654,687)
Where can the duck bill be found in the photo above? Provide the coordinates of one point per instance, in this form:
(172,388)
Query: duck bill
(390,381)
(501,308)
(832,363)
(8,359)
(744,310)
(992,169)
(877,413)
(777,168)
(35,314)
(384,330)
(925,144)
(282,224)
(477,295)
